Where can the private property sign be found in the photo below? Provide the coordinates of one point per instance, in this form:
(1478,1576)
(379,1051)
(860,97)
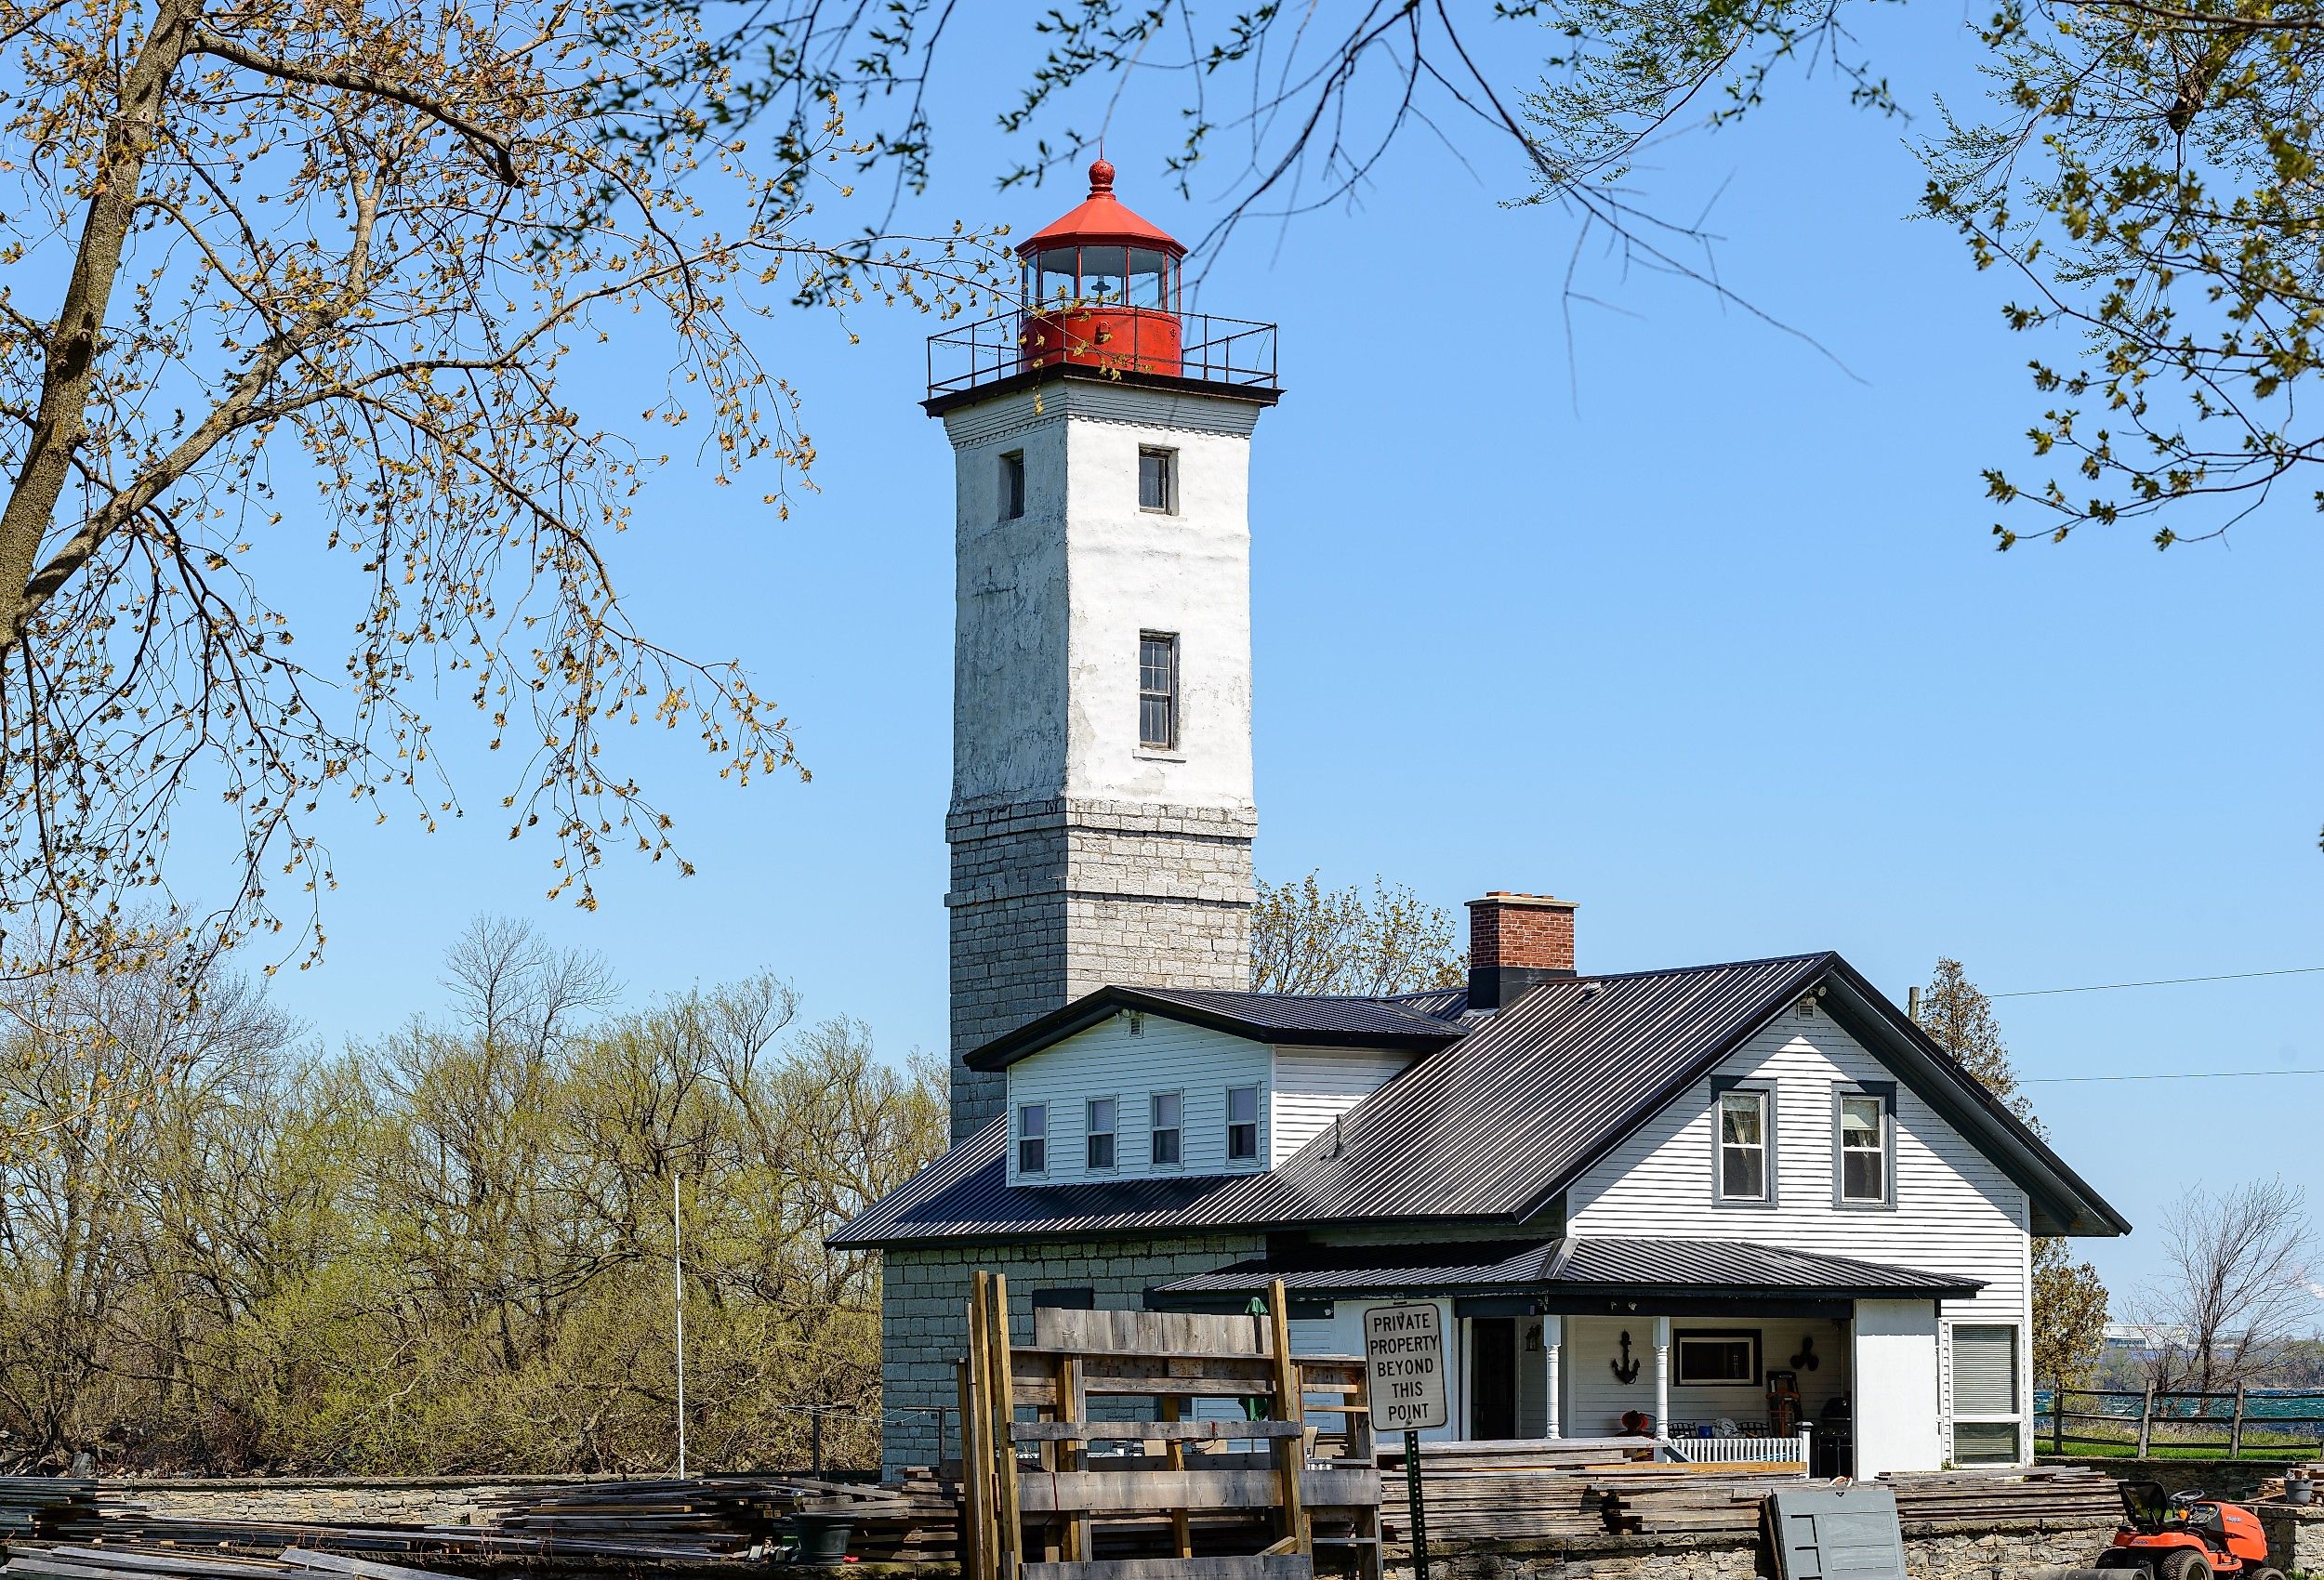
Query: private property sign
(1404,1349)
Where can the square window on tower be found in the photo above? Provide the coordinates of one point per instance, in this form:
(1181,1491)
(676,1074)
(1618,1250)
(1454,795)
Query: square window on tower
(1157,691)
(1157,480)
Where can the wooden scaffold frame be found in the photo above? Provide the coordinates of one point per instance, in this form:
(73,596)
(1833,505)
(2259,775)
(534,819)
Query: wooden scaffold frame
(1216,1476)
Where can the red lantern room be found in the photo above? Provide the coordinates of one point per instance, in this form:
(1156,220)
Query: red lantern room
(1100,289)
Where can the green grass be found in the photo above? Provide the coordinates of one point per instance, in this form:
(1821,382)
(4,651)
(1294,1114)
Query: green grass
(2290,1453)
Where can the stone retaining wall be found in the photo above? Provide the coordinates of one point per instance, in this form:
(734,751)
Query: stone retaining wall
(2238,1481)
(2019,1548)
(2295,1538)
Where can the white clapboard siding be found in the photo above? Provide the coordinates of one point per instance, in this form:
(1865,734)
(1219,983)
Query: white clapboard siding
(1108,1061)
(1956,1212)
(1315,1085)
(1302,1090)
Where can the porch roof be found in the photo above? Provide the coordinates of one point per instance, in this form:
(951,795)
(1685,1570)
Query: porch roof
(1576,1273)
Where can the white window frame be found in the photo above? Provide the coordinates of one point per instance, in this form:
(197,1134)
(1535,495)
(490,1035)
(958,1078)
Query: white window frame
(1258,1112)
(1885,1095)
(1112,1134)
(1720,1090)
(1023,1111)
(1686,1339)
(1156,1129)
(2018,1418)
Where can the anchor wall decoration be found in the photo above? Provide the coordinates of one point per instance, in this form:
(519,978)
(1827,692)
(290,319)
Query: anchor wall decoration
(1624,1369)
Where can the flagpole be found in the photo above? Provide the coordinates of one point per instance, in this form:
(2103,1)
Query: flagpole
(678,1304)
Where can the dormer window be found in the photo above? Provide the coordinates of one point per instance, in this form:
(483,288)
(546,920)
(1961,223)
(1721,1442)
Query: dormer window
(1033,1139)
(1103,1112)
(1242,1124)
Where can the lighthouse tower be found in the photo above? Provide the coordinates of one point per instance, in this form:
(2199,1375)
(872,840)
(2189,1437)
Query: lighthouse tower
(1102,814)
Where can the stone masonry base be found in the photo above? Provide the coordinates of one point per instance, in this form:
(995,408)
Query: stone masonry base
(2002,1552)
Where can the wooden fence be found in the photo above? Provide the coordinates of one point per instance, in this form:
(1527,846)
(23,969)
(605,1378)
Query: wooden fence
(2150,1418)
(1196,1461)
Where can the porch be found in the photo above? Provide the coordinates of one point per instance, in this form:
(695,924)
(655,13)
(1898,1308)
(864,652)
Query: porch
(1708,1353)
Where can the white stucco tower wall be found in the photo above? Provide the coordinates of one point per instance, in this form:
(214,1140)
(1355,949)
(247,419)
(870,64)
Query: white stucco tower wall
(1078,857)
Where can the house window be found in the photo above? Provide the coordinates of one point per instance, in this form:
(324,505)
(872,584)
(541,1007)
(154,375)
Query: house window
(1033,1137)
(1013,485)
(1169,1111)
(1987,1422)
(1157,480)
(1863,1149)
(1242,1124)
(1721,1359)
(1103,1114)
(1743,1146)
(1157,691)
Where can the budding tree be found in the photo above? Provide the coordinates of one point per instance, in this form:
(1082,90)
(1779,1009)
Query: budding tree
(1305,938)
(315,277)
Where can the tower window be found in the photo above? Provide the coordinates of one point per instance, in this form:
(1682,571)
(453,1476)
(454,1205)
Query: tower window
(1013,485)
(1033,1137)
(1169,1110)
(1157,691)
(1242,1124)
(1103,1113)
(1157,480)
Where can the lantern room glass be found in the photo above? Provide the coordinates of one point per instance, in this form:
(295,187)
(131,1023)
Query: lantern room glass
(1101,276)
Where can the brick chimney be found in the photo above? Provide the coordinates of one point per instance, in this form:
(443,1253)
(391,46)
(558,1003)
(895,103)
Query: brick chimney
(1516,941)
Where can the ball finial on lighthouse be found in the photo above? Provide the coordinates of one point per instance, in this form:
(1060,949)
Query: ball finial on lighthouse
(1100,176)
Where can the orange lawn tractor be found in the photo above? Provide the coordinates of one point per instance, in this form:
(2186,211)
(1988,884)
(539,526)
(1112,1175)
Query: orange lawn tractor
(2188,1536)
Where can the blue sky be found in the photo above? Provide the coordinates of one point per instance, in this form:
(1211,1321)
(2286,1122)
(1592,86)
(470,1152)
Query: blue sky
(1675,618)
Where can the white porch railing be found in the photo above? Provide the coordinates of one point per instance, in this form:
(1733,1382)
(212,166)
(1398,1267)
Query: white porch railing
(1742,1451)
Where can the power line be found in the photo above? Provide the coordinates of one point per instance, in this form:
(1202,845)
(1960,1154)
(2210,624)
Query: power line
(2171,1076)
(2161,982)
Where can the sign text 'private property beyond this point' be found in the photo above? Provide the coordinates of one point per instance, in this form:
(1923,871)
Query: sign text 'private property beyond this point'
(1404,1349)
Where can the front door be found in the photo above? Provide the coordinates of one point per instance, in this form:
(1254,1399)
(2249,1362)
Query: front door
(1493,1377)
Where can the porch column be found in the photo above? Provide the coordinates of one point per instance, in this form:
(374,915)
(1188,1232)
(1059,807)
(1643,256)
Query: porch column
(1553,1336)
(1662,1377)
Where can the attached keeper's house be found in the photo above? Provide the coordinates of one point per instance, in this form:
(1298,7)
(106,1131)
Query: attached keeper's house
(1698,1205)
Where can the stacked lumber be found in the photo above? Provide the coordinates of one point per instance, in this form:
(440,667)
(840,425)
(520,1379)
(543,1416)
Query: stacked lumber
(728,1517)
(1981,1497)
(108,1562)
(45,1506)
(2272,1487)
(1671,1500)
(1492,1504)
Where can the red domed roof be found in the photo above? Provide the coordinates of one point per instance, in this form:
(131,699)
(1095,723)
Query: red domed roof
(1101,218)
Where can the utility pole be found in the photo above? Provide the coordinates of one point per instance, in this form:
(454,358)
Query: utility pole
(678,1304)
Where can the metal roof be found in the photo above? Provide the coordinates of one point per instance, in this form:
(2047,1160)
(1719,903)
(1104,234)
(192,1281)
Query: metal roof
(1313,1018)
(1489,1129)
(1726,1268)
